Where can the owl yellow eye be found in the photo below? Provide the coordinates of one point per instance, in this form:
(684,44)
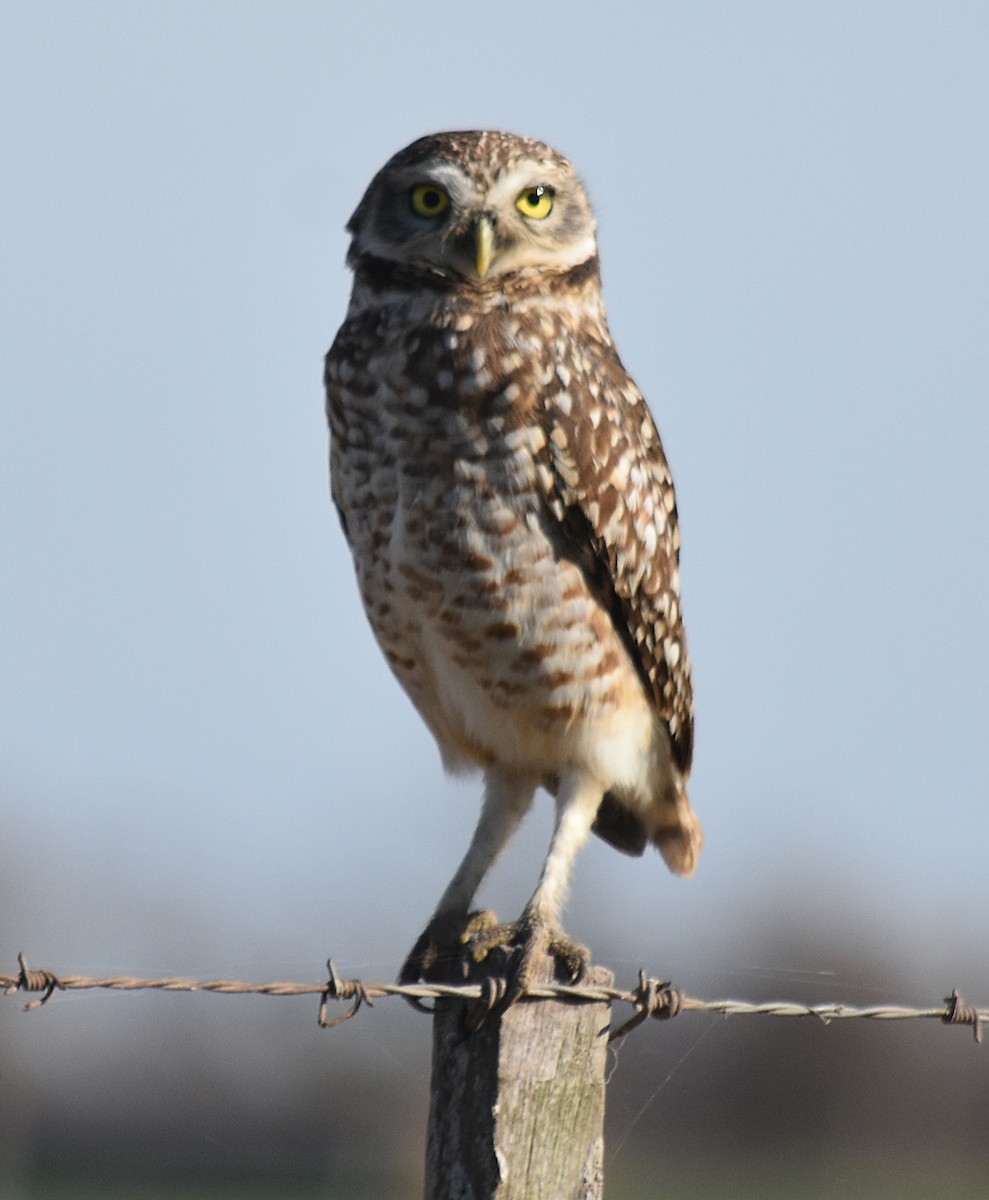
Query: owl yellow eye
(428,200)
(536,202)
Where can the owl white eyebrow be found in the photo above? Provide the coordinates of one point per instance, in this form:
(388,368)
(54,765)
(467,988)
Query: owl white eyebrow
(447,175)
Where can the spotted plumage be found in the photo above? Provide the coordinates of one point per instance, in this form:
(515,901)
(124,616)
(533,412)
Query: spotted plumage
(511,515)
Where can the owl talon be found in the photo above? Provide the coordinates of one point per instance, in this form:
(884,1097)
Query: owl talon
(536,952)
(441,953)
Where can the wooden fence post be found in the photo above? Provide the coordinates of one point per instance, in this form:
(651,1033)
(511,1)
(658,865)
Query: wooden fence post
(516,1107)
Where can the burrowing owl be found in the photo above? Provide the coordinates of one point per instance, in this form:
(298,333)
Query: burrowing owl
(512,519)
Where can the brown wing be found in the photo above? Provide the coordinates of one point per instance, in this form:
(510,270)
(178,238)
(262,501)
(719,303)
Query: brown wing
(341,352)
(610,491)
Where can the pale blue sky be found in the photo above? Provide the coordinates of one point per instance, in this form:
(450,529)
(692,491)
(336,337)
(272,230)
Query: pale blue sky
(205,766)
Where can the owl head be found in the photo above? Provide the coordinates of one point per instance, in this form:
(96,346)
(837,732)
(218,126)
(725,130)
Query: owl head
(475,206)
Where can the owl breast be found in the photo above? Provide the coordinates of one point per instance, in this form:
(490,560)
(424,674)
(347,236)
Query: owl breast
(493,632)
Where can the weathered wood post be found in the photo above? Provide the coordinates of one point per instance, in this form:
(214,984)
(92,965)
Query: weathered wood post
(517,1106)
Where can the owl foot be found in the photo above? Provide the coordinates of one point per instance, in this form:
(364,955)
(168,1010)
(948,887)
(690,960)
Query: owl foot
(442,951)
(536,952)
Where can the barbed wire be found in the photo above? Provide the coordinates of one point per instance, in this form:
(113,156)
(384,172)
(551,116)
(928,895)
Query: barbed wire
(650,997)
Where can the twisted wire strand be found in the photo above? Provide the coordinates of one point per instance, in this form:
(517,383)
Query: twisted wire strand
(650,998)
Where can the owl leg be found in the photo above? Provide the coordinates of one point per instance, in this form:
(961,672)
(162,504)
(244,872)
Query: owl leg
(538,931)
(442,943)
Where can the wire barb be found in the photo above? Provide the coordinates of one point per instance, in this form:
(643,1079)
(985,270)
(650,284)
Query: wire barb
(961,1013)
(33,981)
(651,999)
(341,989)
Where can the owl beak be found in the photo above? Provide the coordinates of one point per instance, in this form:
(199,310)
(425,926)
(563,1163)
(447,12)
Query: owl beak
(483,245)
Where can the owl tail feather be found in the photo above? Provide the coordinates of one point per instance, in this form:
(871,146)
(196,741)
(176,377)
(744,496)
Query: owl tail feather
(679,837)
(670,825)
